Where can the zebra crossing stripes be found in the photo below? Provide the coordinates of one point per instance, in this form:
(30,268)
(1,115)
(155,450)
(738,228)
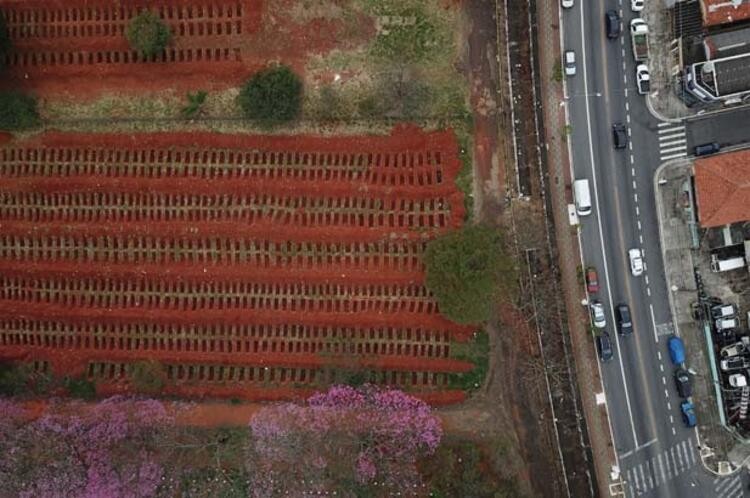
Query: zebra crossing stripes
(672,141)
(662,468)
(728,487)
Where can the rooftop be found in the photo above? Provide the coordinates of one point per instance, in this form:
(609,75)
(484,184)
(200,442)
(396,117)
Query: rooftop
(728,43)
(716,12)
(722,184)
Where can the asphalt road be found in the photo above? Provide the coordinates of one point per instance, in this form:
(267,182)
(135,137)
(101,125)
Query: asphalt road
(658,455)
(727,128)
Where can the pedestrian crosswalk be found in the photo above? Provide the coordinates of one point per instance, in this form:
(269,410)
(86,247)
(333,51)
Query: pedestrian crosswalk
(672,141)
(662,468)
(728,487)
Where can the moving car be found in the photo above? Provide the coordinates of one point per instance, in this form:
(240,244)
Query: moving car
(624,322)
(676,350)
(688,414)
(737,380)
(636,262)
(570,63)
(597,312)
(566,4)
(612,24)
(592,280)
(620,135)
(643,79)
(604,346)
(637,5)
(683,383)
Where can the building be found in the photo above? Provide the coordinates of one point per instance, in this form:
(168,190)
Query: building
(722,188)
(724,79)
(719,12)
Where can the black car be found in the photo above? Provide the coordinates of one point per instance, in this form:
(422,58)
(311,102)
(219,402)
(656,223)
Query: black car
(683,382)
(624,322)
(706,149)
(604,346)
(613,24)
(620,135)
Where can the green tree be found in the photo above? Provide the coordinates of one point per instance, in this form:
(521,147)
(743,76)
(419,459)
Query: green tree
(272,96)
(148,34)
(18,111)
(467,271)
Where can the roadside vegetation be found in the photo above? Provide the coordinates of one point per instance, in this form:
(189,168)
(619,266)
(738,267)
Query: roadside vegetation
(468,270)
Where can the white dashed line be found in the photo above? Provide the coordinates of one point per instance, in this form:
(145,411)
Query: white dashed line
(632,170)
(627,118)
(674,432)
(632,161)
(637,211)
(625,79)
(658,354)
(636,195)
(669,405)
(646,277)
(664,381)
(640,237)
(627,104)
(671,419)
(639,225)
(630,145)
(661,367)
(648,291)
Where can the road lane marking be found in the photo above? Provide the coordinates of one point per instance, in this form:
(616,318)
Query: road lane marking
(692,451)
(637,211)
(669,404)
(640,238)
(635,195)
(661,367)
(627,118)
(658,353)
(625,79)
(653,322)
(643,476)
(587,106)
(674,461)
(639,225)
(664,381)
(672,142)
(672,149)
(648,291)
(671,129)
(670,137)
(664,124)
(646,276)
(661,468)
(673,156)
(632,161)
(627,106)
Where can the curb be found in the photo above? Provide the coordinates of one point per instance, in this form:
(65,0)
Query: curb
(660,116)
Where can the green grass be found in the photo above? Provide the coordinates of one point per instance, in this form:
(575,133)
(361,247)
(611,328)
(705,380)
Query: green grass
(475,351)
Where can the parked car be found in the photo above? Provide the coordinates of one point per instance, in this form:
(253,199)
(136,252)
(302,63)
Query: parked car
(570,63)
(726,323)
(683,383)
(636,5)
(597,313)
(620,135)
(604,346)
(566,4)
(688,414)
(723,311)
(738,380)
(738,348)
(636,262)
(624,321)
(734,363)
(706,149)
(592,280)
(612,24)
(676,350)
(642,79)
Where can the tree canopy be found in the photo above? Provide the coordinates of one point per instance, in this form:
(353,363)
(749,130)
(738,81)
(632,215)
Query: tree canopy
(148,34)
(466,271)
(272,96)
(343,439)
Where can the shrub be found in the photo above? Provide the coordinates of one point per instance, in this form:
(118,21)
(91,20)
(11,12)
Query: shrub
(195,102)
(80,388)
(272,96)
(148,34)
(14,379)
(466,272)
(147,376)
(18,111)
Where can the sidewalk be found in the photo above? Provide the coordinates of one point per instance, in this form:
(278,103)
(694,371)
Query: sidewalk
(586,362)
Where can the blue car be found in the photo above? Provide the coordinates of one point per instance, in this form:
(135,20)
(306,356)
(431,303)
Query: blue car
(688,414)
(676,350)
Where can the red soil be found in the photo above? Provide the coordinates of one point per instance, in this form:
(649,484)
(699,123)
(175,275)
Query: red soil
(247,266)
(79,47)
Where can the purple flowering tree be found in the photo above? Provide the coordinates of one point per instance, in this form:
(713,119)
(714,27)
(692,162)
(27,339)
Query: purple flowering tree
(339,440)
(107,450)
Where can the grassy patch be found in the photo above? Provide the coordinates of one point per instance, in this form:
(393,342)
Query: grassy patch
(475,351)
(465,177)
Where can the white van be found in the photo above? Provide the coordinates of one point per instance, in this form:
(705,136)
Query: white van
(726,323)
(582,196)
(723,311)
(719,265)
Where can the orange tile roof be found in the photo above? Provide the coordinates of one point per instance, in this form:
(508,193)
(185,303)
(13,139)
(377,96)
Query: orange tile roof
(722,184)
(717,12)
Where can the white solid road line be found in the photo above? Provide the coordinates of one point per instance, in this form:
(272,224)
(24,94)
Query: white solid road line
(653,323)
(599,222)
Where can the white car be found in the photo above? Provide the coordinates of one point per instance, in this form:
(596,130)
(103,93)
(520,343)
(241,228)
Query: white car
(637,5)
(597,312)
(643,79)
(636,262)
(737,380)
(570,63)
(567,4)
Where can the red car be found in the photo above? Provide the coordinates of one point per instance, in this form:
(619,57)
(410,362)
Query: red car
(592,280)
